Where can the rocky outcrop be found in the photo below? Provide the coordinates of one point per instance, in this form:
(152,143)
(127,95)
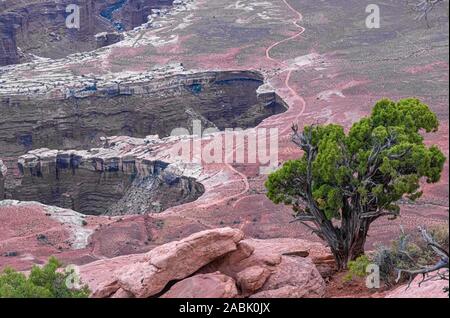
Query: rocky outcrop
(213,285)
(99,181)
(212,263)
(428,289)
(8,44)
(148,274)
(136,12)
(156,102)
(290,262)
(293,277)
(39,27)
(107,38)
(253,278)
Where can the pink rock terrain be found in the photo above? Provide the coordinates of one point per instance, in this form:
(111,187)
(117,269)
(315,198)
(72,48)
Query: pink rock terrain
(323,70)
(427,289)
(213,285)
(210,264)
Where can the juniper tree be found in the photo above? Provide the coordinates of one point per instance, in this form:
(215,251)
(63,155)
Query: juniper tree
(344,182)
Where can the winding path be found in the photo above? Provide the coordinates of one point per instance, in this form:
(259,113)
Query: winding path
(298,100)
(289,68)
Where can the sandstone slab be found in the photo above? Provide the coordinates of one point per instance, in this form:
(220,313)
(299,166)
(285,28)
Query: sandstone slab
(213,285)
(253,278)
(289,271)
(427,289)
(145,275)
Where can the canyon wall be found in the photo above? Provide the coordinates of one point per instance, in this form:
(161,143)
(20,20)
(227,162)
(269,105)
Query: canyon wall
(99,182)
(39,27)
(137,107)
(8,44)
(31,27)
(136,12)
(87,113)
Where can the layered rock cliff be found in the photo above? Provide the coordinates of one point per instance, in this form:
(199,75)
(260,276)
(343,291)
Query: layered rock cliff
(75,113)
(39,27)
(29,28)
(77,116)
(136,12)
(100,181)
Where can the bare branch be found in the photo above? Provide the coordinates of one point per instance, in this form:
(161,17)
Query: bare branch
(433,244)
(303,217)
(443,263)
(423,271)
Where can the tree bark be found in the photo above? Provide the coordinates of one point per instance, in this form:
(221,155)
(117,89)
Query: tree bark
(344,254)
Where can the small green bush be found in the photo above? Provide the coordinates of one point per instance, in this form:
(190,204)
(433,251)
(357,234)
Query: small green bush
(357,268)
(43,282)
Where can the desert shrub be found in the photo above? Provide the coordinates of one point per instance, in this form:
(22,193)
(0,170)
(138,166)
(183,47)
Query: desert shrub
(407,252)
(43,282)
(357,268)
(440,235)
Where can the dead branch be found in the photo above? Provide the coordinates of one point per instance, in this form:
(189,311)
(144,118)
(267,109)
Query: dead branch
(425,271)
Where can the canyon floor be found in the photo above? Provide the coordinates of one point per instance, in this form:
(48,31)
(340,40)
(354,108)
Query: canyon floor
(319,58)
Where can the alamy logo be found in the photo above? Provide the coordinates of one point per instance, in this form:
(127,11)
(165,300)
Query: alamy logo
(73,17)
(73,280)
(252,146)
(373,19)
(373,277)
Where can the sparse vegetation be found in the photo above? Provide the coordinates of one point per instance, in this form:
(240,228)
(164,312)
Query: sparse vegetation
(42,282)
(357,268)
(160,224)
(412,255)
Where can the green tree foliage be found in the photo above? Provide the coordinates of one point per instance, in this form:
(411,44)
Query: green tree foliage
(344,182)
(357,268)
(43,282)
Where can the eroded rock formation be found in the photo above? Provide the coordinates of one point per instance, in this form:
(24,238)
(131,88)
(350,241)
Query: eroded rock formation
(76,116)
(433,288)
(99,181)
(136,12)
(29,28)
(39,27)
(242,268)
(213,285)
(110,179)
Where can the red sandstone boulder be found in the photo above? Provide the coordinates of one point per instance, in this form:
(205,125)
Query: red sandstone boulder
(144,275)
(319,254)
(219,258)
(292,272)
(428,289)
(212,285)
(294,277)
(253,278)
